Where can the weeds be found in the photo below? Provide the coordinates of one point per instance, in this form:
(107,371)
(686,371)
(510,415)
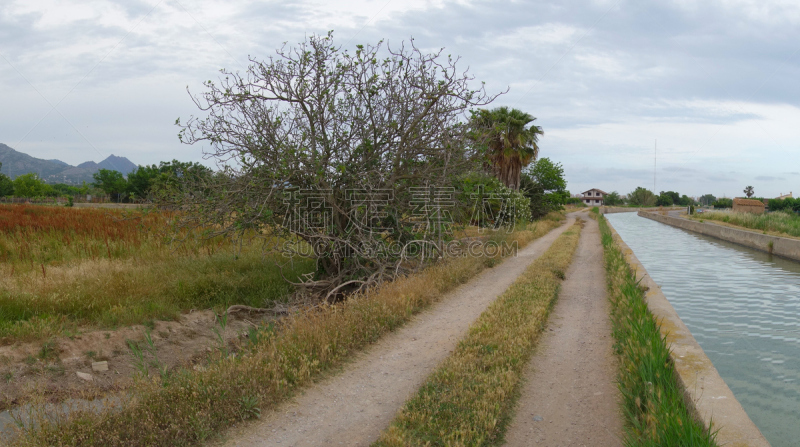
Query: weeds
(48,351)
(138,358)
(194,404)
(467,401)
(222,321)
(141,365)
(653,405)
(62,269)
(249,407)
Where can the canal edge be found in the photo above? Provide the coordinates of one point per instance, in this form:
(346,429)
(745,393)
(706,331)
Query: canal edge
(705,392)
(775,245)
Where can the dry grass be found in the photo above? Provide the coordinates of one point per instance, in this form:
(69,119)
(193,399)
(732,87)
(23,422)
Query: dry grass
(65,270)
(467,401)
(190,406)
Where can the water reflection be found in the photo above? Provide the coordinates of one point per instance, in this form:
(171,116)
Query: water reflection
(742,306)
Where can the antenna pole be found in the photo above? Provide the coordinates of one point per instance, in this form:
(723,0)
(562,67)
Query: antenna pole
(655,154)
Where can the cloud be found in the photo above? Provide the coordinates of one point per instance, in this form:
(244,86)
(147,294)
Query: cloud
(769,178)
(714,82)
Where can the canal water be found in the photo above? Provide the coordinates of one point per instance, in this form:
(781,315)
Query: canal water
(742,306)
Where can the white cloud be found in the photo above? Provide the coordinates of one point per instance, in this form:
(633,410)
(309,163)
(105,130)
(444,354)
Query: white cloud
(691,74)
(531,38)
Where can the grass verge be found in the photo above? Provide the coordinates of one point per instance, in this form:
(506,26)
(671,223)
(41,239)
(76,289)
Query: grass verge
(652,401)
(778,223)
(468,400)
(187,407)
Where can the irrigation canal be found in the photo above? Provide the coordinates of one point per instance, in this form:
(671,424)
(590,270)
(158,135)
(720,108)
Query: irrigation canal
(742,306)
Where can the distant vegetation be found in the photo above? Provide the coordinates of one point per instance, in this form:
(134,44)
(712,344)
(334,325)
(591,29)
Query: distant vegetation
(613,199)
(641,197)
(787,204)
(722,203)
(143,183)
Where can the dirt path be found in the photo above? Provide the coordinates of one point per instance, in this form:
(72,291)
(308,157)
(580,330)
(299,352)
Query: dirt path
(353,407)
(569,397)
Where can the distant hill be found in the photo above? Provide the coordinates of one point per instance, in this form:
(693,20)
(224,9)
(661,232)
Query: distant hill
(115,163)
(16,163)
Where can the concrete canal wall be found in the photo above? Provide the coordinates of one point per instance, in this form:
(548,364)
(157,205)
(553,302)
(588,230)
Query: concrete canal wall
(706,394)
(779,246)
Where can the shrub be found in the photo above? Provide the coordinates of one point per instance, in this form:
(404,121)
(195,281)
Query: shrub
(723,203)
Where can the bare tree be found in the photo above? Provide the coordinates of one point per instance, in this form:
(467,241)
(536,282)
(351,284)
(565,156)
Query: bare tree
(342,152)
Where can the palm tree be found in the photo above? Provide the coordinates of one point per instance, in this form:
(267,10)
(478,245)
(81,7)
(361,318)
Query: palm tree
(748,190)
(510,145)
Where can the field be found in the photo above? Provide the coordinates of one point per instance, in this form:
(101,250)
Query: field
(778,223)
(187,403)
(64,270)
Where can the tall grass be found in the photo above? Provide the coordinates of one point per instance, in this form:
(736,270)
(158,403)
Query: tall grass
(62,269)
(193,405)
(782,222)
(653,404)
(467,401)
(31,236)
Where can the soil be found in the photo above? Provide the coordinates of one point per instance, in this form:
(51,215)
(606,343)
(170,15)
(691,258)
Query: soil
(50,368)
(570,397)
(353,407)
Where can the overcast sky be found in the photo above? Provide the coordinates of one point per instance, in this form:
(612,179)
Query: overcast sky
(715,82)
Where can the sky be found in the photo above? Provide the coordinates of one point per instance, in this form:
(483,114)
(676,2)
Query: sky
(697,96)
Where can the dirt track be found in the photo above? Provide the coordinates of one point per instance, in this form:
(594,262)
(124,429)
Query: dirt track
(569,397)
(353,407)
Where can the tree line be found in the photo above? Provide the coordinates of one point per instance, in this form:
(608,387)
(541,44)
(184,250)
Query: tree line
(643,197)
(145,183)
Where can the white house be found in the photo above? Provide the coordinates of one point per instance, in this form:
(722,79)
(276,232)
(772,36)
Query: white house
(594,197)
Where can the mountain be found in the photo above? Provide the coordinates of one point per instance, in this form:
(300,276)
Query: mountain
(115,163)
(16,163)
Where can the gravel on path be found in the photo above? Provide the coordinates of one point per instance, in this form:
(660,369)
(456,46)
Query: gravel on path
(353,407)
(570,397)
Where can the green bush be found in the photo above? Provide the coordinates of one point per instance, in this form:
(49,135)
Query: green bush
(723,203)
(480,198)
(613,199)
(641,197)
